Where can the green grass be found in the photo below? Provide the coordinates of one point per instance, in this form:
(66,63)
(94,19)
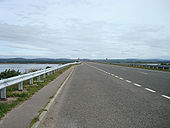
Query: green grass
(29,90)
(36,119)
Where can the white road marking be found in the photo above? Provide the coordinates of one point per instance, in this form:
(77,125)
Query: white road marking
(144,73)
(131,82)
(137,85)
(166,96)
(124,69)
(150,90)
(116,76)
(128,81)
(42,115)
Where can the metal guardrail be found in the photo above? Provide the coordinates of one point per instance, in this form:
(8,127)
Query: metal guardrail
(153,66)
(29,76)
(164,67)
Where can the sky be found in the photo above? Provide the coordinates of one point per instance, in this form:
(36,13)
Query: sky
(114,29)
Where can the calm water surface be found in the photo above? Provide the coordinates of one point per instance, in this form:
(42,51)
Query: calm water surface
(24,67)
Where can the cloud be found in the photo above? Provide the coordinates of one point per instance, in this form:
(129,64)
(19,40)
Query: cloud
(25,46)
(105,40)
(85,29)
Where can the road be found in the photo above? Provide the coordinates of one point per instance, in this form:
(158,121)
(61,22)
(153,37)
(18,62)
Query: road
(108,96)
(158,81)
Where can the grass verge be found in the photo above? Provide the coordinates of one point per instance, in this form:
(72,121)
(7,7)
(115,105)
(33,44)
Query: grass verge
(36,119)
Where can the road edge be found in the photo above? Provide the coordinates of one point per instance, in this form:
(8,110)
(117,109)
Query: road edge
(50,103)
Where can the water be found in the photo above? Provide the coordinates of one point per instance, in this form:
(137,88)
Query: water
(24,67)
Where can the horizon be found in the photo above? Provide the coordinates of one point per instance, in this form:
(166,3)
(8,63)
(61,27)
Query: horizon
(90,59)
(85,29)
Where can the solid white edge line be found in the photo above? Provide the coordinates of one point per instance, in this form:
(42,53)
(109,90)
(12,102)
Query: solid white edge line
(150,90)
(43,114)
(166,96)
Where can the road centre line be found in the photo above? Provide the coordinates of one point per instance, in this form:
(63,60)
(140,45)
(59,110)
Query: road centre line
(116,76)
(137,85)
(166,96)
(150,90)
(128,81)
(144,73)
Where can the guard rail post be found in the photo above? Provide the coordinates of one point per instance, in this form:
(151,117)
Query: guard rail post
(44,75)
(38,78)
(31,81)
(3,94)
(20,86)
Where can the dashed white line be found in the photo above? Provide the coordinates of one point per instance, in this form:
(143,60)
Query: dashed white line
(131,82)
(144,73)
(166,96)
(116,76)
(137,85)
(150,90)
(128,81)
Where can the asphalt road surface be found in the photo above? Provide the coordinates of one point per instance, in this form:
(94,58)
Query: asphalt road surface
(107,96)
(158,81)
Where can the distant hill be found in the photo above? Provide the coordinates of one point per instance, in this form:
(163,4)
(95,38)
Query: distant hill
(37,60)
(63,60)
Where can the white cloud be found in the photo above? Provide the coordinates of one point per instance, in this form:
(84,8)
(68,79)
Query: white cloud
(85,28)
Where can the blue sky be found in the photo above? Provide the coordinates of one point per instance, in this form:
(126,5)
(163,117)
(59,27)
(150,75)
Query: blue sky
(85,28)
